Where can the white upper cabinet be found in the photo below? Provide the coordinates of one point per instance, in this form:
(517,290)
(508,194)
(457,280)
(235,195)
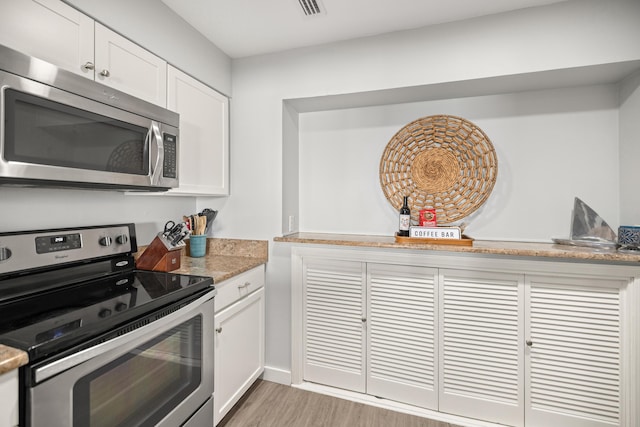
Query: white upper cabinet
(125,66)
(49,30)
(59,34)
(204,135)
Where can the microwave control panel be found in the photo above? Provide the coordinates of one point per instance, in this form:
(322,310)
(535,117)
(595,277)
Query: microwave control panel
(170,165)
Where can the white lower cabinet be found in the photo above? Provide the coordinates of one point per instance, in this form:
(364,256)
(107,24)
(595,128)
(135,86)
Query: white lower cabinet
(239,340)
(334,323)
(574,369)
(370,328)
(9,399)
(481,360)
(513,342)
(402,325)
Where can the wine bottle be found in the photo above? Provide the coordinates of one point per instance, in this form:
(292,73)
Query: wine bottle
(405,218)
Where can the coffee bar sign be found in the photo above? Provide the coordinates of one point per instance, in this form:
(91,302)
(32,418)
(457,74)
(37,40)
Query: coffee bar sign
(435,232)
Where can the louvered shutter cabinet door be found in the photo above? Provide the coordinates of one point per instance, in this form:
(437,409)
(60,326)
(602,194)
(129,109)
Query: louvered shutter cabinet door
(334,323)
(574,358)
(482,346)
(401,329)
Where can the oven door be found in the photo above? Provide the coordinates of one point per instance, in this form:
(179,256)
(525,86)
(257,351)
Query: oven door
(156,375)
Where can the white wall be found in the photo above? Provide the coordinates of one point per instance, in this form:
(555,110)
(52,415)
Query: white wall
(630,150)
(562,36)
(42,208)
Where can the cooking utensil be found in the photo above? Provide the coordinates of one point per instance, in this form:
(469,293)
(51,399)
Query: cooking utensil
(174,233)
(210,215)
(179,238)
(169,227)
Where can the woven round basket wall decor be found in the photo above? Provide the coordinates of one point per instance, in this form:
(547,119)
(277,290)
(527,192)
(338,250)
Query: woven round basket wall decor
(441,162)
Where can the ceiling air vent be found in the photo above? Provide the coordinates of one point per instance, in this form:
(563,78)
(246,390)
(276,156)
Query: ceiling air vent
(311,7)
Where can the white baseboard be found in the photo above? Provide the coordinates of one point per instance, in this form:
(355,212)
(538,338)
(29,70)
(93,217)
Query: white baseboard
(277,375)
(394,406)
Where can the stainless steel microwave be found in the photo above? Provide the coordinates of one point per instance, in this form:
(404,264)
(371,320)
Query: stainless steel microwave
(60,129)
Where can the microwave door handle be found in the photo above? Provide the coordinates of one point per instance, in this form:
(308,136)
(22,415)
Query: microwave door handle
(157,152)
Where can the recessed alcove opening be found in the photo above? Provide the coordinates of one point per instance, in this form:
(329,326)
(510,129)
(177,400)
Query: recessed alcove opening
(558,134)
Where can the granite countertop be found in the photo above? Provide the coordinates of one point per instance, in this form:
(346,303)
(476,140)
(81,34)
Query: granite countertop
(11,359)
(493,247)
(225,258)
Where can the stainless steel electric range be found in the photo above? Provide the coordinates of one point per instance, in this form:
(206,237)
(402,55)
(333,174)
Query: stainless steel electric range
(108,345)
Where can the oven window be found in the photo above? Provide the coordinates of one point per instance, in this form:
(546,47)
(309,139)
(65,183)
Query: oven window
(44,132)
(143,386)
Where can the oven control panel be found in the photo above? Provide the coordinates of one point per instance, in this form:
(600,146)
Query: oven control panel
(58,242)
(35,249)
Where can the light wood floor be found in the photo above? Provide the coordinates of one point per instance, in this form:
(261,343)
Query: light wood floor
(269,404)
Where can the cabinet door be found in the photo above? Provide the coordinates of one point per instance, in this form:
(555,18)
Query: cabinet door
(401,330)
(574,355)
(49,30)
(334,323)
(9,398)
(204,135)
(123,65)
(239,351)
(482,345)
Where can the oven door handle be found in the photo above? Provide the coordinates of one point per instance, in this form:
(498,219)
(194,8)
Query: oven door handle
(54,368)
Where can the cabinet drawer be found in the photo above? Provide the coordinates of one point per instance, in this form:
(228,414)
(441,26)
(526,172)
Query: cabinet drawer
(231,290)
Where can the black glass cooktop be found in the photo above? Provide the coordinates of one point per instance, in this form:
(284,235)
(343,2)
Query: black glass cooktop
(51,321)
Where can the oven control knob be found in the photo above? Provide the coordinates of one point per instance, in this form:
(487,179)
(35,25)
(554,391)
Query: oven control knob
(5,253)
(121,306)
(105,241)
(122,239)
(105,312)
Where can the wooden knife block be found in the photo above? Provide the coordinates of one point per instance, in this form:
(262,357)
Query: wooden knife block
(157,257)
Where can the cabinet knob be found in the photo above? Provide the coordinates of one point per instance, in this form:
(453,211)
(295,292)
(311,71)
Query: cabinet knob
(529,343)
(88,66)
(364,319)
(105,73)
(218,330)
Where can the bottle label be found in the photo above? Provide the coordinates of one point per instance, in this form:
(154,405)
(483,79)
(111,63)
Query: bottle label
(405,222)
